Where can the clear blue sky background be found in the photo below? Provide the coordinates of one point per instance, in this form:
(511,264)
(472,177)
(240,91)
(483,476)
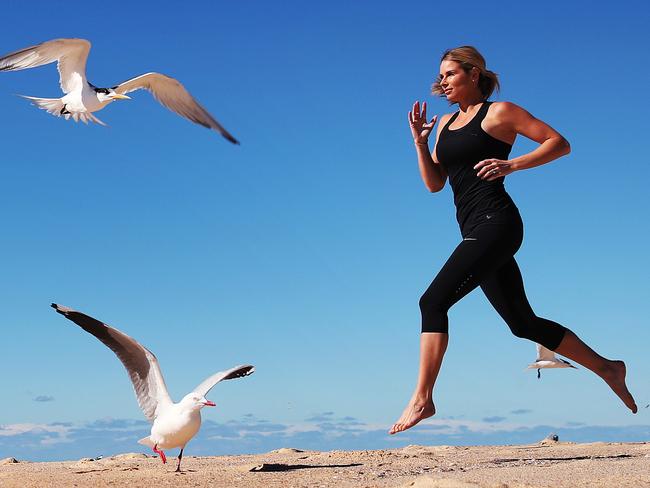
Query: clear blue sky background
(304,250)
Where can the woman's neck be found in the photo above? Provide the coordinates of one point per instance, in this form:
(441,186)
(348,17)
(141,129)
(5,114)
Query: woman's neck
(470,102)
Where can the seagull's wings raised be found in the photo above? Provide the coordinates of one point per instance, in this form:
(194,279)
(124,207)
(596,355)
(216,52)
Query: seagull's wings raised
(173,95)
(544,354)
(232,373)
(140,363)
(71,55)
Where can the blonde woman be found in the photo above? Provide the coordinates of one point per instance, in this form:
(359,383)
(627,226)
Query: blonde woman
(471,149)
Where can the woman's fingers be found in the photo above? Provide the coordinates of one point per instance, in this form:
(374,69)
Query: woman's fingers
(483,163)
(418,120)
(487,171)
(484,166)
(491,169)
(481,168)
(496,175)
(417,114)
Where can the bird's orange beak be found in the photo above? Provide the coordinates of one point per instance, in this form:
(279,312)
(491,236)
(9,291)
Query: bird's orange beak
(210,404)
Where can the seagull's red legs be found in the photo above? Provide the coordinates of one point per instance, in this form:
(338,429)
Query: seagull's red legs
(163,458)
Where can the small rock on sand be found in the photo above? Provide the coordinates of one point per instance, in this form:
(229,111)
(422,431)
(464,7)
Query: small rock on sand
(286,450)
(9,460)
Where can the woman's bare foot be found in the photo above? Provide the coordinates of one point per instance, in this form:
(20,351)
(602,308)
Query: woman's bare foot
(614,376)
(414,412)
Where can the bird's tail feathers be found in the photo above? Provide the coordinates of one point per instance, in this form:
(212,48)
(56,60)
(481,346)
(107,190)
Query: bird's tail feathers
(146,441)
(95,119)
(56,107)
(53,106)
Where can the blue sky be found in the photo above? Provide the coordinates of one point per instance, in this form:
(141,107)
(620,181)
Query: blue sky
(304,250)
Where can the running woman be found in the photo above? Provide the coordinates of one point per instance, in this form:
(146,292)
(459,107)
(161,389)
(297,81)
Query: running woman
(472,149)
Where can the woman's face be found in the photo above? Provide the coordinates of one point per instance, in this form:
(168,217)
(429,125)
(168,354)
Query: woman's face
(455,81)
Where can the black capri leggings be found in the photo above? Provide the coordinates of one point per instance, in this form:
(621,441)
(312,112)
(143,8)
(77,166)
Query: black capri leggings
(485,258)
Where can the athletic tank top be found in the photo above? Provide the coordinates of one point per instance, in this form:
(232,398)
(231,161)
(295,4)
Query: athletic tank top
(458,151)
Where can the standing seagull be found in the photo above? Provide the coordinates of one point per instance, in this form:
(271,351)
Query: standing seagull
(82,98)
(174,424)
(547,359)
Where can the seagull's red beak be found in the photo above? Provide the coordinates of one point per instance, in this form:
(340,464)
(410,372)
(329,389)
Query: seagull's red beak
(208,403)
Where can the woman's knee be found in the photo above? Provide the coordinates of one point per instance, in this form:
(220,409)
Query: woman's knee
(539,330)
(434,314)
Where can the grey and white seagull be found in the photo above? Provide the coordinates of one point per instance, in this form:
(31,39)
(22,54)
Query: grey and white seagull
(547,359)
(82,98)
(174,424)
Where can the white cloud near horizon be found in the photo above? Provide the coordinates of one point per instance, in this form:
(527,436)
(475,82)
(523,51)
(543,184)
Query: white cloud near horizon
(10,430)
(249,435)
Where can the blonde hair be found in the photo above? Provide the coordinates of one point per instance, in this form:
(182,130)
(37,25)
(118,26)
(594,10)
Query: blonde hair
(468,57)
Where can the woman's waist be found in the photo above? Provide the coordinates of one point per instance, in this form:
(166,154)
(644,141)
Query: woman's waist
(507,217)
(497,207)
(491,196)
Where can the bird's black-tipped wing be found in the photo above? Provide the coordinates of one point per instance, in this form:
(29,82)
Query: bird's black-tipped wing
(232,373)
(173,95)
(140,363)
(71,55)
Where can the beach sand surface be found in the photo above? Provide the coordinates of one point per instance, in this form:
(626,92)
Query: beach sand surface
(547,464)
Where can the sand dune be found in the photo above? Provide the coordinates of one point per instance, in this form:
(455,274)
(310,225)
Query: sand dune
(547,464)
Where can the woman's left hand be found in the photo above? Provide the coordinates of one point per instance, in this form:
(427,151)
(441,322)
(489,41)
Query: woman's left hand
(491,169)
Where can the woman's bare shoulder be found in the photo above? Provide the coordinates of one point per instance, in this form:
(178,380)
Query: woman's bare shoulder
(444,118)
(507,109)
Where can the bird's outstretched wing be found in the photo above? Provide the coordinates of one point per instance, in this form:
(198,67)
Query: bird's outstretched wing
(173,95)
(140,363)
(232,373)
(544,354)
(547,359)
(71,55)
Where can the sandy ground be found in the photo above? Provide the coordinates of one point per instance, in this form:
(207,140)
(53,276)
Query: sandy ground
(548,464)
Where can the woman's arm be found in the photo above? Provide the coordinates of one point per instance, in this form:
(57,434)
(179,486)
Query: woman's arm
(432,173)
(509,120)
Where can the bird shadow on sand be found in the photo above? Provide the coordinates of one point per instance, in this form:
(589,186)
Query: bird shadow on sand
(269,467)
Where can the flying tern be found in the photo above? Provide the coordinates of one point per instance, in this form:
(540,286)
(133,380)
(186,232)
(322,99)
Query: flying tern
(174,424)
(82,98)
(547,359)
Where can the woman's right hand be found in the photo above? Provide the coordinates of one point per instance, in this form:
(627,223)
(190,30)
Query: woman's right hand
(418,123)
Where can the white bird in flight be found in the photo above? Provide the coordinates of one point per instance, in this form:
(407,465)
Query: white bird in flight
(82,98)
(547,359)
(174,424)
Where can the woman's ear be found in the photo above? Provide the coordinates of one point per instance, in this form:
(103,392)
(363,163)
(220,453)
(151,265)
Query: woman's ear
(475,74)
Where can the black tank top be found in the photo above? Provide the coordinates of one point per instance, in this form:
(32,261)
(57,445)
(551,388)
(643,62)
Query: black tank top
(458,151)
